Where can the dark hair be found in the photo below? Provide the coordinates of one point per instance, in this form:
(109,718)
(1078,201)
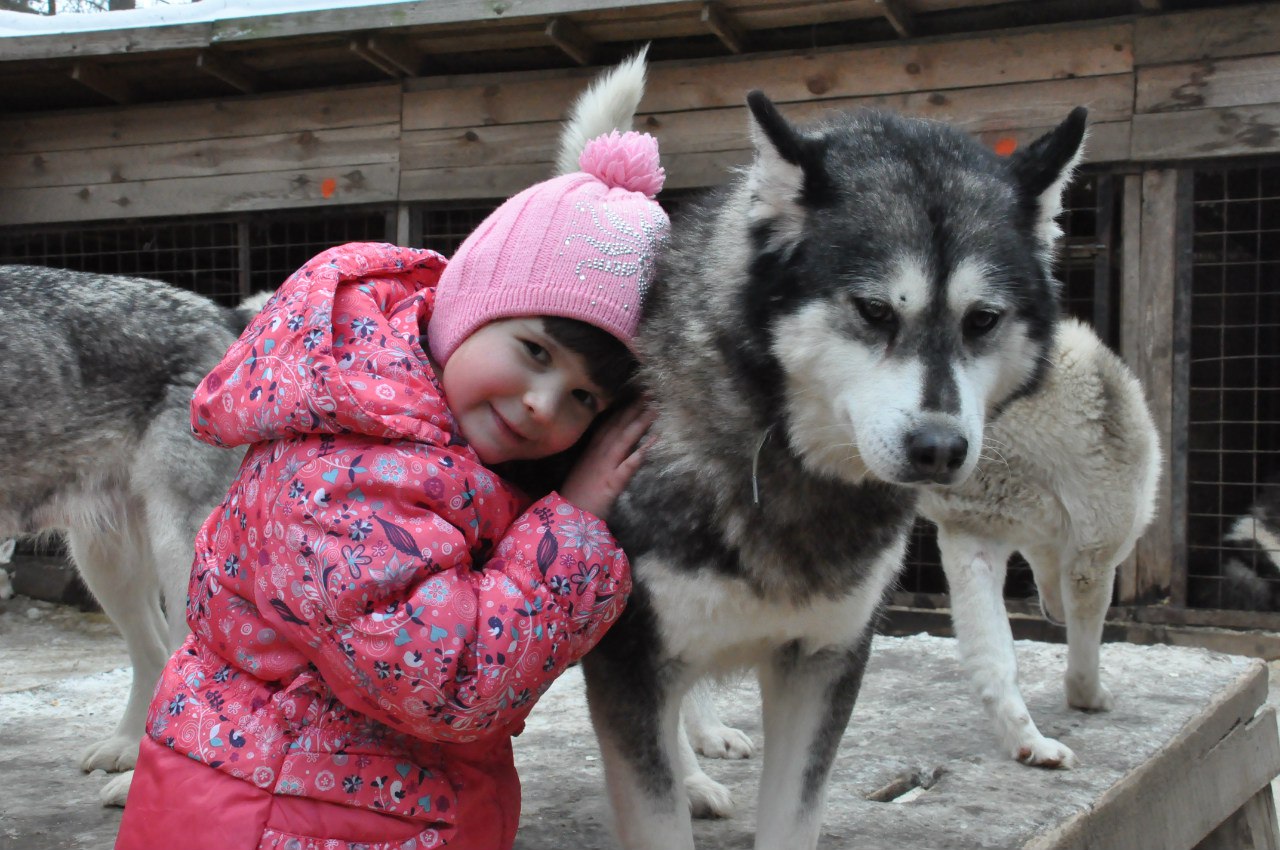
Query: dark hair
(611,366)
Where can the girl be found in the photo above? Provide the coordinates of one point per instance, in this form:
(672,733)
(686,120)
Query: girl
(373,610)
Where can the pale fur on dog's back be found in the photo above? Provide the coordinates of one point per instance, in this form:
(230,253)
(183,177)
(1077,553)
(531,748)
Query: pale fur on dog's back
(100,449)
(1067,478)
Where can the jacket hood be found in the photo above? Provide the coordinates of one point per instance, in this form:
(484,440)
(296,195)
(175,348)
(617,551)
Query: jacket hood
(335,350)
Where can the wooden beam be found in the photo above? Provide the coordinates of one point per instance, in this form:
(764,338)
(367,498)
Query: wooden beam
(570,38)
(724,27)
(92,76)
(398,53)
(360,47)
(231,71)
(1148,284)
(899,16)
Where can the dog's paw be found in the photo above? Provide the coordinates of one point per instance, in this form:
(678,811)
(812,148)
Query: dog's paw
(722,742)
(707,798)
(116,791)
(115,753)
(1045,752)
(1089,695)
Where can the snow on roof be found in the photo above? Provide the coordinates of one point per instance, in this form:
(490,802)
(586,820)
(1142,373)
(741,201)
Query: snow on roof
(22,23)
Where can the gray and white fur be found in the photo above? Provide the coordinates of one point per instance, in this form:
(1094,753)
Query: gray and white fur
(95,443)
(825,335)
(1068,478)
(1250,553)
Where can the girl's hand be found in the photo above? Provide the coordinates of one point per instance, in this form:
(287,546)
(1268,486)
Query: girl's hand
(609,461)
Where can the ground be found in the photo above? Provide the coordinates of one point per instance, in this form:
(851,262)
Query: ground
(64,676)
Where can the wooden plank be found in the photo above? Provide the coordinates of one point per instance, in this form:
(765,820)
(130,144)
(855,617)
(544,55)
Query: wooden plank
(202,195)
(1222,82)
(231,71)
(96,78)
(1054,54)
(1198,133)
(223,118)
(572,41)
(1253,825)
(1006,109)
(724,27)
(345,147)
(1132,344)
(1213,33)
(239,29)
(1215,766)
(359,46)
(899,17)
(1150,354)
(903,619)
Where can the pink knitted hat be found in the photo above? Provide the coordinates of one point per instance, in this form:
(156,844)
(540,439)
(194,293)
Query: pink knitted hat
(581,246)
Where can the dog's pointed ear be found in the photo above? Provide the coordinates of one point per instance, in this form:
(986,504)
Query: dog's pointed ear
(783,167)
(1042,171)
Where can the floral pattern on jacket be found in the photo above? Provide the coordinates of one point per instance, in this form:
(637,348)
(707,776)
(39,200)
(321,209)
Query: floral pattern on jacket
(373,612)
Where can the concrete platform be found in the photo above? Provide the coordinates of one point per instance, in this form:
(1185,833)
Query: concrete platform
(1191,743)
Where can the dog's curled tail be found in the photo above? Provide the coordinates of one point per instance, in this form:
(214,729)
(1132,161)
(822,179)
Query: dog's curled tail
(609,104)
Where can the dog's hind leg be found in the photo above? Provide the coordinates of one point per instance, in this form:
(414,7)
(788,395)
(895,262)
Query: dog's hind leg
(707,733)
(117,569)
(975,571)
(707,798)
(1086,592)
(806,701)
(637,724)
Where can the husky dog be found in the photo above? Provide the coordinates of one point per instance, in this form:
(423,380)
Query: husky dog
(95,441)
(1068,479)
(1251,557)
(824,336)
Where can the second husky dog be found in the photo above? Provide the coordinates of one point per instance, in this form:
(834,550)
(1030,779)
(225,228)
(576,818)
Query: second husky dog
(1068,479)
(825,335)
(95,442)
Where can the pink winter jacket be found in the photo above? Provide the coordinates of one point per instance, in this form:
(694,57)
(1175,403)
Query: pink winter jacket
(373,612)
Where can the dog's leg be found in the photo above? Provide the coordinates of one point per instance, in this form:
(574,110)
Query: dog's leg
(707,798)
(1046,568)
(1086,591)
(975,572)
(806,701)
(637,722)
(121,579)
(706,733)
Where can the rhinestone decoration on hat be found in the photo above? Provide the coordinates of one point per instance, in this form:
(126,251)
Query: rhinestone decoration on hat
(619,241)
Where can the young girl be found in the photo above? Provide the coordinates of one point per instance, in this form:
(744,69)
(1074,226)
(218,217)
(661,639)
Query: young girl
(373,610)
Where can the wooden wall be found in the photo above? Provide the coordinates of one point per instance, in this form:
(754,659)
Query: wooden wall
(1159,88)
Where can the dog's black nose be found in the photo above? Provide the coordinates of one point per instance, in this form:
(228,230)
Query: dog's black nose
(936,452)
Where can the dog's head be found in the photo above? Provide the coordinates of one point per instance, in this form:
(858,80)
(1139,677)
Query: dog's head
(901,278)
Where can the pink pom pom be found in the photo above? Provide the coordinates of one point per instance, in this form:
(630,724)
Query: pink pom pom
(627,161)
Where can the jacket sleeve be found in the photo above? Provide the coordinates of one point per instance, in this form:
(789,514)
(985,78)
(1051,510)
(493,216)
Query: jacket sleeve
(413,623)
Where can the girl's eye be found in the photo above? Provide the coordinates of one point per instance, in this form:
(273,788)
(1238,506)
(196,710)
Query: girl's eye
(537,352)
(980,323)
(586,399)
(875,311)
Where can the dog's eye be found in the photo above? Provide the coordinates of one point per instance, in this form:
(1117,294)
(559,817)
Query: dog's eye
(980,323)
(875,311)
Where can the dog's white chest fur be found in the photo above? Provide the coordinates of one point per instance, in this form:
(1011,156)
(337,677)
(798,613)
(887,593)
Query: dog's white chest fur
(716,623)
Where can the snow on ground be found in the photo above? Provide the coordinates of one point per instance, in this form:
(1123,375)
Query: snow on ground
(22,23)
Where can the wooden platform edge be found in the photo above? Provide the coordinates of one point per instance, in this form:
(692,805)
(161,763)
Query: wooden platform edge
(1257,643)
(1213,768)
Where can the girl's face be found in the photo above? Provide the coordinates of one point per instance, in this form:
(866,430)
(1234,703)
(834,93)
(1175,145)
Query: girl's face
(516,394)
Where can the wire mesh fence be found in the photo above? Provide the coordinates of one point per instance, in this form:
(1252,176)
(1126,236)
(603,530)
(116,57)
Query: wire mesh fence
(1233,428)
